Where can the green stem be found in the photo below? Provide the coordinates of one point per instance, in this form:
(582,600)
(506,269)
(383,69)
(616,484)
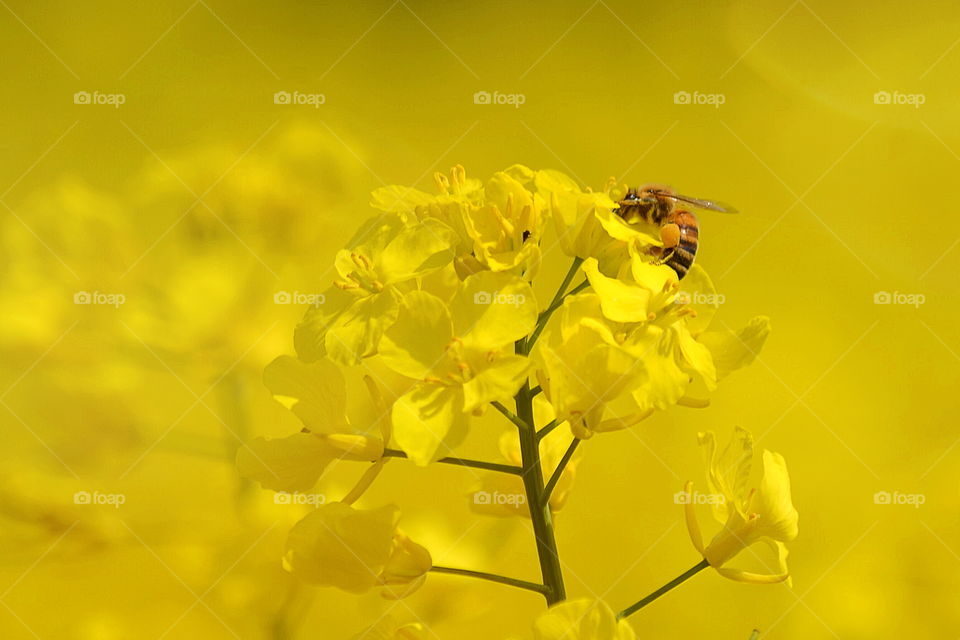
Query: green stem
(555,477)
(554,304)
(463,462)
(550,426)
(492,577)
(511,416)
(683,577)
(544,317)
(540,513)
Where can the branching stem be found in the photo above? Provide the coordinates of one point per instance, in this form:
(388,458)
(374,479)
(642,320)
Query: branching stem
(559,470)
(464,462)
(683,577)
(492,577)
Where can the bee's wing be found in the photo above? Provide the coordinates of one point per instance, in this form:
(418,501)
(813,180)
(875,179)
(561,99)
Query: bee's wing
(709,205)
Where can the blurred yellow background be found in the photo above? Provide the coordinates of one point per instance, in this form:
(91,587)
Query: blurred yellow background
(183,211)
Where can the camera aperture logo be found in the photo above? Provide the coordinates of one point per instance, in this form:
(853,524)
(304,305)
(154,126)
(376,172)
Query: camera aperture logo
(499,498)
(899,97)
(312,499)
(711,99)
(896,297)
(114,500)
(296,297)
(485,97)
(914,500)
(299,98)
(99,297)
(496,297)
(96,97)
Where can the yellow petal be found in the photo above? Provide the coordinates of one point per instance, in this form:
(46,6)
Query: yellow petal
(690,515)
(356,333)
(664,381)
(729,471)
(492,310)
(695,357)
(429,421)
(337,545)
(698,291)
(315,392)
(620,301)
(310,336)
(778,517)
(581,619)
(500,380)
(408,562)
(502,188)
(731,351)
(752,578)
(415,251)
(290,464)
(416,342)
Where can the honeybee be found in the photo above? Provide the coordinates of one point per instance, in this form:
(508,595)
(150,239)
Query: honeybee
(679,230)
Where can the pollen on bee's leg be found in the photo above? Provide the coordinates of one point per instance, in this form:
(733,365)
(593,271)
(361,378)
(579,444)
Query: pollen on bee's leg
(670,235)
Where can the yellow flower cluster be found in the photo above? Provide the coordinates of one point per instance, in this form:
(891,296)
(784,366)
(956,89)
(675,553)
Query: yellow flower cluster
(432,308)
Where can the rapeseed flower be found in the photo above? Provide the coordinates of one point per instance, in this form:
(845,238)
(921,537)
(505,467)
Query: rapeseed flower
(755,507)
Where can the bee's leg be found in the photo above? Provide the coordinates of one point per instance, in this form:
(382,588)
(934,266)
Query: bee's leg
(670,236)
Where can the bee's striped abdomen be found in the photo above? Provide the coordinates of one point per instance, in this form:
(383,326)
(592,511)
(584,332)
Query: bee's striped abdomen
(681,257)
